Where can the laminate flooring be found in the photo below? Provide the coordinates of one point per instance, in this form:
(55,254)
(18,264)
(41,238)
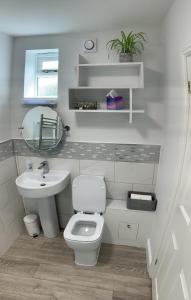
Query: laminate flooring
(43,269)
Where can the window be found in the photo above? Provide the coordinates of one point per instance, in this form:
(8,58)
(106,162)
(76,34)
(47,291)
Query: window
(41,74)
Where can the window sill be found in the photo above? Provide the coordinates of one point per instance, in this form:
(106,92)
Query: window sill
(40,101)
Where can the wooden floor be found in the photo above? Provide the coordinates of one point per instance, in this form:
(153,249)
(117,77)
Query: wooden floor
(44,269)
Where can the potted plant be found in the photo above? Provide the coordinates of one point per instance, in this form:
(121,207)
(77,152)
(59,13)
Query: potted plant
(128,45)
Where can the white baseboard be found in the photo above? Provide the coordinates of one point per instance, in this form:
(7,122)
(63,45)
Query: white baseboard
(149,256)
(155,295)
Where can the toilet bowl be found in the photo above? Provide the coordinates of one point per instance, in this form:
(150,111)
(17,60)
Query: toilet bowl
(83,232)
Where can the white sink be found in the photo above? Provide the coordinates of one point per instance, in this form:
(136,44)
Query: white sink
(34,185)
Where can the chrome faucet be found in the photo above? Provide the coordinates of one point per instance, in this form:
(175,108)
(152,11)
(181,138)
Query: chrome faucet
(44,166)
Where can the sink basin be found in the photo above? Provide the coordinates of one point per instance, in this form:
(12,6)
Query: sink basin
(43,188)
(34,185)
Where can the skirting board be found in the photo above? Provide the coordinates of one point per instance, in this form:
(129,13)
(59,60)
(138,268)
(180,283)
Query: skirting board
(155,295)
(149,258)
(149,255)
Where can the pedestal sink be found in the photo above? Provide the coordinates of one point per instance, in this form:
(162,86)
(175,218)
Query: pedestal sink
(33,185)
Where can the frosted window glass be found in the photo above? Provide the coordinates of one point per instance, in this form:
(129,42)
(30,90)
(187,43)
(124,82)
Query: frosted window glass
(47,86)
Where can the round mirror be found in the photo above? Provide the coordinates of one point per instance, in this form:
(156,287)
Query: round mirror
(42,128)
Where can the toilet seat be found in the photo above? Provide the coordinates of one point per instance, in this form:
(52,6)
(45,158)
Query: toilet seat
(81,217)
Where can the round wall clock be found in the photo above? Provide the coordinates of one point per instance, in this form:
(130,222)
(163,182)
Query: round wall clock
(89,45)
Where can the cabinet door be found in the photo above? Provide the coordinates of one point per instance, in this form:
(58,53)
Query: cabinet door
(127,231)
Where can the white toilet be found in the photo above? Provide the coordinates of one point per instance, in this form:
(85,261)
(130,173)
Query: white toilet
(83,232)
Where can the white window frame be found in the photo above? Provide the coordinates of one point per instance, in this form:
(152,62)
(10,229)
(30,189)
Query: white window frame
(32,72)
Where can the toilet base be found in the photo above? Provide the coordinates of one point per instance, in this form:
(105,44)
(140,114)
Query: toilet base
(86,258)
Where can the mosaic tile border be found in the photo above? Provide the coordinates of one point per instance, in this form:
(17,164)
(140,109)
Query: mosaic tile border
(95,151)
(6,150)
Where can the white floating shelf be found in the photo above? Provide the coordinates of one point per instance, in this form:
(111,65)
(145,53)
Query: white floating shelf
(127,64)
(100,88)
(101,75)
(94,80)
(122,111)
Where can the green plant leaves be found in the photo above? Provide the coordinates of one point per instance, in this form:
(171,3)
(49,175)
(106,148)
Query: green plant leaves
(131,43)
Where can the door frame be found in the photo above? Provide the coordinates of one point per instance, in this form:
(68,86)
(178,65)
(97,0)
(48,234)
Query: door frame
(154,267)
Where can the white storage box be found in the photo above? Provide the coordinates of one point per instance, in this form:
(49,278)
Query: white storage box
(32,225)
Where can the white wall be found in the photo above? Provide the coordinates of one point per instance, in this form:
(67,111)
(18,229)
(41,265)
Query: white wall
(11,207)
(146,128)
(177,36)
(5,63)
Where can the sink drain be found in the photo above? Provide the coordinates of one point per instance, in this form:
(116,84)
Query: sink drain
(43,184)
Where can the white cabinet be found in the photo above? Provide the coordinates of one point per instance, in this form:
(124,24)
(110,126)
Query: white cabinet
(94,81)
(123,226)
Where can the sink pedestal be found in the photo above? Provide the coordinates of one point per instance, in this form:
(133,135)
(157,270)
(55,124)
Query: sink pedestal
(48,216)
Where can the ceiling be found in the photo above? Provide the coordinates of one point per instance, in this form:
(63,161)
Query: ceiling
(32,17)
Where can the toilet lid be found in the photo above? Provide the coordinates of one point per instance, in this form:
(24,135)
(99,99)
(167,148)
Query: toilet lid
(89,193)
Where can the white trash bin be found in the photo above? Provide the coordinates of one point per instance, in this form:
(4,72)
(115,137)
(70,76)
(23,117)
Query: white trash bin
(32,225)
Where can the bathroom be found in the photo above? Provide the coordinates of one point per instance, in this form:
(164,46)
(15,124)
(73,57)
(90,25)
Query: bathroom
(101,155)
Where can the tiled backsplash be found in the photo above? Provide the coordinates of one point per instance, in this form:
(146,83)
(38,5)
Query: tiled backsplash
(124,167)
(95,151)
(11,204)
(120,177)
(6,150)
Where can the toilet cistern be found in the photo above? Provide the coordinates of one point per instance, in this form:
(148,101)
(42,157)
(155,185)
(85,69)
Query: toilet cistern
(44,166)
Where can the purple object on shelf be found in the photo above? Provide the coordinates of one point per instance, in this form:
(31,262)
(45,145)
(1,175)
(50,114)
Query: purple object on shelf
(111,104)
(120,101)
(115,103)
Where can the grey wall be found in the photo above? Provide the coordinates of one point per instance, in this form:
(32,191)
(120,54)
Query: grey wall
(146,129)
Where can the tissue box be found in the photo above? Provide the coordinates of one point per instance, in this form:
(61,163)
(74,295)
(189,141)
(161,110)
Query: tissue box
(139,204)
(111,104)
(115,103)
(119,102)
